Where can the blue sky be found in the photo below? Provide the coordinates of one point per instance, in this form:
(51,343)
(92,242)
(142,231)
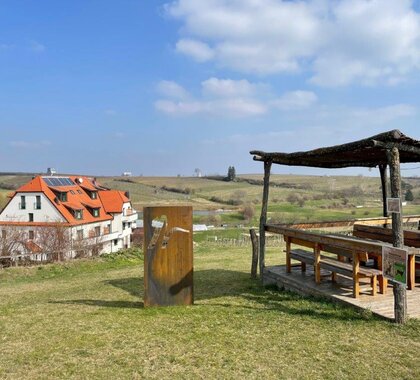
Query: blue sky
(164,87)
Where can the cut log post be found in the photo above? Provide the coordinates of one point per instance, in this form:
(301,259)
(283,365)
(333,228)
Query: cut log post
(254,262)
(400,290)
(263,218)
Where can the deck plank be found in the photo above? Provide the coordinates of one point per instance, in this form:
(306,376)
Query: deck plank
(341,291)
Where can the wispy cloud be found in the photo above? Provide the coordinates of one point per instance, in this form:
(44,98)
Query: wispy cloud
(110,112)
(37,47)
(22,144)
(171,89)
(295,100)
(228,98)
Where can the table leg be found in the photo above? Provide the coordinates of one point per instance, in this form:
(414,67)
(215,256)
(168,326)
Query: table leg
(317,268)
(356,266)
(288,259)
(411,275)
(383,282)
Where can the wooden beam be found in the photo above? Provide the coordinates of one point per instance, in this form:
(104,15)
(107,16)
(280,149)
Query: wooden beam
(400,147)
(263,217)
(400,291)
(383,173)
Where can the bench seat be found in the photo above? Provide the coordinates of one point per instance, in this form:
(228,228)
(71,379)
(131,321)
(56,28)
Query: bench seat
(346,268)
(303,256)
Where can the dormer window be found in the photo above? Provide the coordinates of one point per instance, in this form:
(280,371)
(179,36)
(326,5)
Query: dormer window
(92,194)
(95,212)
(62,196)
(78,214)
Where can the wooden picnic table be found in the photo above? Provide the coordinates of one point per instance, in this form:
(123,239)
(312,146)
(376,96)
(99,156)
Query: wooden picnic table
(359,249)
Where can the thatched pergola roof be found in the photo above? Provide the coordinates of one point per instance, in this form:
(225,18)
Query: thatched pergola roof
(368,152)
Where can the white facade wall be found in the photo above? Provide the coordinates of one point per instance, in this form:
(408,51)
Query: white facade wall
(14,212)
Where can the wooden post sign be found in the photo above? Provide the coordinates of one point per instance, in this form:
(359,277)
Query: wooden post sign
(394,264)
(168,256)
(393,205)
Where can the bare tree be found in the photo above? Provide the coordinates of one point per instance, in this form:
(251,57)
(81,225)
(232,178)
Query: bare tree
(55,240)
(12,240)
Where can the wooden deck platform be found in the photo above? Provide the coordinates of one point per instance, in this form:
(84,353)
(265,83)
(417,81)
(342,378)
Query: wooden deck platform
(304,283)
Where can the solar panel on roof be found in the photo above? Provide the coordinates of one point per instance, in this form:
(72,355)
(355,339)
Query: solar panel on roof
(58,181)
(47,181)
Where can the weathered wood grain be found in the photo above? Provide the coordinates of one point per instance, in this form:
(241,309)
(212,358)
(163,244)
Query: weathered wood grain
(168,256)
(255,248)
(400,291)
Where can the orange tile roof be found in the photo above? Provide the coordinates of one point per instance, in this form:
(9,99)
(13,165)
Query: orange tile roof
(108,201)
(113,200)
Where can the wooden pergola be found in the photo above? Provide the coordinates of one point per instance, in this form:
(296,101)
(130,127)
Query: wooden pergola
(387,149)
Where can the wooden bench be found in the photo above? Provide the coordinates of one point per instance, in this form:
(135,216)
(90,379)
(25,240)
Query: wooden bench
(347,269)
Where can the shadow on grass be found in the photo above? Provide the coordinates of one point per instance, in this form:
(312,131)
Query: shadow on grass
(213,284)
(102,303)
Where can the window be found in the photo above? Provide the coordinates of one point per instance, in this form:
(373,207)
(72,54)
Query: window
(80,234)
(124,224)
(31,235)
(71,191)
(31,217)
(97,231)
(79,191)
(94,195)
(38,203)
(3,234)
(115,241)
(95,212)
(129,225)
(62,197)
(22,204)
(78,214)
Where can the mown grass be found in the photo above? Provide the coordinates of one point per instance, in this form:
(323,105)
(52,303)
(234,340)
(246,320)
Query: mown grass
(86,319)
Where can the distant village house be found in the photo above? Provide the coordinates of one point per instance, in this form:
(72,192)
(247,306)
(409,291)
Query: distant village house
(65,217)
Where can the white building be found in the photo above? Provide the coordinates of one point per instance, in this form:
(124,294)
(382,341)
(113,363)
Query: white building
(91,216)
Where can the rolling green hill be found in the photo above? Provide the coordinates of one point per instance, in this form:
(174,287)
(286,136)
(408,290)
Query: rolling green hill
(292,197)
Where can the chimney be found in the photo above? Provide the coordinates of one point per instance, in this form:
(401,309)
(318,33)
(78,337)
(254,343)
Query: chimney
(127,194)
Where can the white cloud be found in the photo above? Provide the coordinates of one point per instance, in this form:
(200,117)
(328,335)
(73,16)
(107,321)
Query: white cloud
(295,100)
(29,144)
(179,108)
(198,50)
(227,87)
(337,42)
(37,47)
(228,97)
(172,90)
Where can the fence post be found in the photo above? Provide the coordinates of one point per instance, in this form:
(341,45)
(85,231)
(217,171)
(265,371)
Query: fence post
(255,247)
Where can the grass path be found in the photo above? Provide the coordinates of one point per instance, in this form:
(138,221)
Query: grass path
(86,320)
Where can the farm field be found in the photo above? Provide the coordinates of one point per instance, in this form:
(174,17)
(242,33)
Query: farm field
(293,198)
(85,319)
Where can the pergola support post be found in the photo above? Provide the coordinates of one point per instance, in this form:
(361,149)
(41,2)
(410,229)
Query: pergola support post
(400,290)
(383,173)
(263,218)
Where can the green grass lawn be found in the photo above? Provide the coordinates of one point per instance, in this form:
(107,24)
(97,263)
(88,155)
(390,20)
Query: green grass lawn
(85,319)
